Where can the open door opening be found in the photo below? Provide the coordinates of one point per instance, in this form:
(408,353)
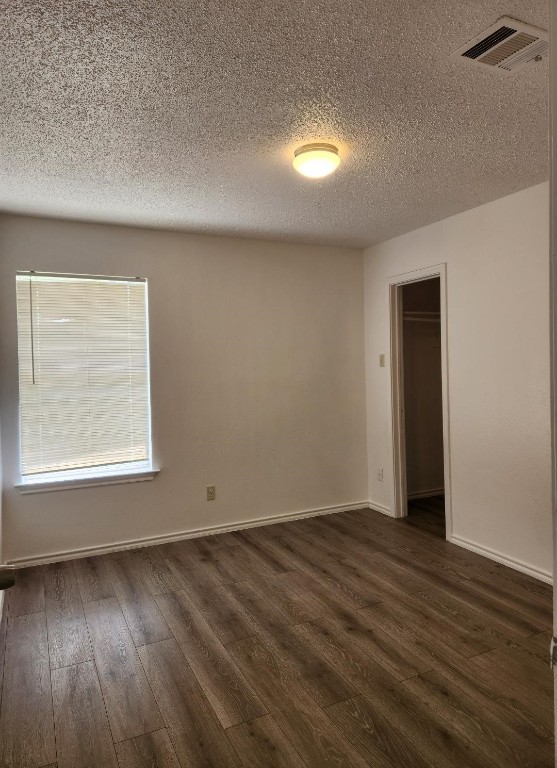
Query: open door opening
(423,404)
(420,399)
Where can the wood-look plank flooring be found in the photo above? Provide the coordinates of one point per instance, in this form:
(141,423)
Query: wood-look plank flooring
(427,514)
(344,641)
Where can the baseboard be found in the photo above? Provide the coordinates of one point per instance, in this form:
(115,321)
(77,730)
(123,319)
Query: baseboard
(426,494)
(492,554)
(55,557)
(380,508)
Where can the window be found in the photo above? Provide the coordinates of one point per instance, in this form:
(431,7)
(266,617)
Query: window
(83,377)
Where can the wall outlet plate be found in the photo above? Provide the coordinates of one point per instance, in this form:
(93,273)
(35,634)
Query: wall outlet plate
(211,493)
(380,475)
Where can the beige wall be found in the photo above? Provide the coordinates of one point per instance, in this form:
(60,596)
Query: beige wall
(498,336)
(257,358)
(258,378)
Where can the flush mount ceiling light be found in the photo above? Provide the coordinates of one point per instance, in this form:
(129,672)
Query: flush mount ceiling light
(316,160)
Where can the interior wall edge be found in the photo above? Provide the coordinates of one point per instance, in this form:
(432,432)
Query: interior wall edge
(55,557)
(374,505)
(499,557)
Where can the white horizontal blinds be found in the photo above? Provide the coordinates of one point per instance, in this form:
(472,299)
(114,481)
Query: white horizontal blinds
(83,372)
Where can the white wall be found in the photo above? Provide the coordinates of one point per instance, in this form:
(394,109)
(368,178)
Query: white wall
(498,335)
(257,359)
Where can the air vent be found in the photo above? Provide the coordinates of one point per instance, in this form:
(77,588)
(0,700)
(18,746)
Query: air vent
(508,45)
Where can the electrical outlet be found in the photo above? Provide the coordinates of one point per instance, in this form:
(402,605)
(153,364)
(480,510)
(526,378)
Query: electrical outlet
(382,360)
(380,475)
(211,493)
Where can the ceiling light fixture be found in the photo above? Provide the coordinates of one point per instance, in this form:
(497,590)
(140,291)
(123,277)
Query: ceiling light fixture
(316,160)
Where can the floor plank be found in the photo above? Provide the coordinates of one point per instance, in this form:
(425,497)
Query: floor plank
(194,728)
(218,568)
(190,574)
(27,594)
(533,688)
(393,656)
(320,678)
(489,605)
(262,744)
(484,628)
(130,706)
(324,571)
(408,733)
(327,601)
(500,743)
(340,538)
(291,604)
(309,730)
(380,564)
(68,638)
(492,691)
(515,598)
(83,735)
(243,564)
(387,702)
(154,570)
(226,620)
(228,692)
(153,750)
(255,544)
(92,577)
(432,650)
(26,721)
(430,623)
(380,742)
(218,540)
(136,601)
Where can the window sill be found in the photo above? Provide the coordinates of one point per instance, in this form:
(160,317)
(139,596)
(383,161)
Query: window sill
(86,482)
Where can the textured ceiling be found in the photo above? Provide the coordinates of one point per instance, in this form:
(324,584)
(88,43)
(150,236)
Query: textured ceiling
(186,114)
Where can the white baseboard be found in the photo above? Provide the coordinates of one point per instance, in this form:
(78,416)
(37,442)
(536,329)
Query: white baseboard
(380,508)
(55,557)
(492,554)
(426,494)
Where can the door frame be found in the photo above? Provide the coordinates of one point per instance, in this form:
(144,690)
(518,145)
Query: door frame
(553,301)
(394,287)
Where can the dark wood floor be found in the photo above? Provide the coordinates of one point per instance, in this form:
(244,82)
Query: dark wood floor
(428,514)
(350,640)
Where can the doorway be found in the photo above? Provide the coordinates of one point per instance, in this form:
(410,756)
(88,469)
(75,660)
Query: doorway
(423,404)
(420,400)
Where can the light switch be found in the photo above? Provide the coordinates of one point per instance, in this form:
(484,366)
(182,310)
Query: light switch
(382,360)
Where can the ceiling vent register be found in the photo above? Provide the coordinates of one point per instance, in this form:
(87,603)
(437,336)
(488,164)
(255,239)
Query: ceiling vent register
(507,45)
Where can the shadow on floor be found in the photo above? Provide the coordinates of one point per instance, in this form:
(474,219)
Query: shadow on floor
(428,514)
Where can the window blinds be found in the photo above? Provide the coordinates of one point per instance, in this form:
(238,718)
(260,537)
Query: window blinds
(83,374)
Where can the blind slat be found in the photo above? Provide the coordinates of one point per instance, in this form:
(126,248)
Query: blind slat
(83,372)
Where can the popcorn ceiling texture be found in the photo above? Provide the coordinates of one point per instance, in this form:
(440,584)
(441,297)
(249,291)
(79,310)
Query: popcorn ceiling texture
(186,114)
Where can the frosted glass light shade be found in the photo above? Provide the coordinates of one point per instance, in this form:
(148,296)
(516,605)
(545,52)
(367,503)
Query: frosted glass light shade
(316,160)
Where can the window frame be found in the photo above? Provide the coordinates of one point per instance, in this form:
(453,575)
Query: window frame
(86,476)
